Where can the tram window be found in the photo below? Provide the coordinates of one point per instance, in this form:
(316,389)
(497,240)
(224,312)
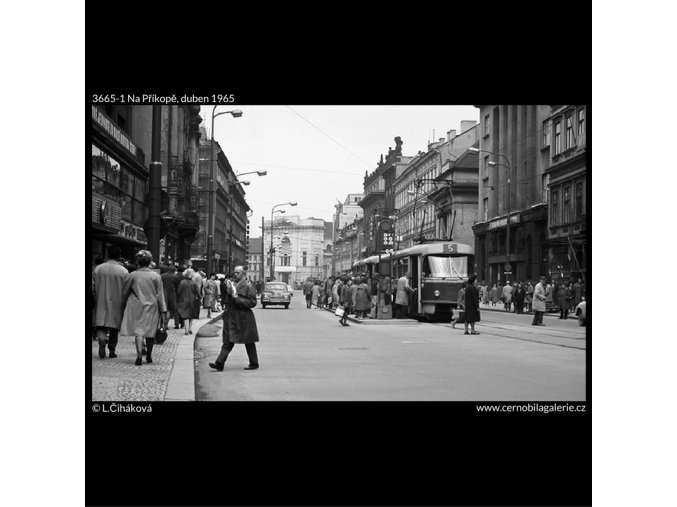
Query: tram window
(446,267)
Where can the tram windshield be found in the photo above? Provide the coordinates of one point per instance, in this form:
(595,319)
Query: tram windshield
(448,267)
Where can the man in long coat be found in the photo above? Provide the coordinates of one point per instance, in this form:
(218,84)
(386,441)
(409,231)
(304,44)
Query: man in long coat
(239,324)
(108,280)
(538,303)
(402,296)
(170,284)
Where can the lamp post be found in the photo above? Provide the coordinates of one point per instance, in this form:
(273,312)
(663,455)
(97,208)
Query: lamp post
(232,215)
(272,257)
(508,267)
(236,113)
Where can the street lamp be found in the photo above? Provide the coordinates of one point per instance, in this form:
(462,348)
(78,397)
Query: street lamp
(272,257)
(508,267)
(236,113)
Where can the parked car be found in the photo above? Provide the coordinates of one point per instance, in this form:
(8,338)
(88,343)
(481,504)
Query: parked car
(275,293)
(581,312)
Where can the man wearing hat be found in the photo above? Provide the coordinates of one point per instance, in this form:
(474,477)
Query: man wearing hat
(539,302)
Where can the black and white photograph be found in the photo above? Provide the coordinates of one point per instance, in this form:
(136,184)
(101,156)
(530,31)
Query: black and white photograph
(358,253)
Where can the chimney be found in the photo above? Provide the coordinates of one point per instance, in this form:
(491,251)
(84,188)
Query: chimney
(467,125)
(451,134)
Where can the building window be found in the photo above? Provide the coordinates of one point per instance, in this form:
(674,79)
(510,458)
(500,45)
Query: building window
(304,258)
(578,200)
(581,122)
(558,138)
(570,133)
(486,209)
(486,125)
(554,215)
(317,260)
(566,205)
(545,181)
(546,133)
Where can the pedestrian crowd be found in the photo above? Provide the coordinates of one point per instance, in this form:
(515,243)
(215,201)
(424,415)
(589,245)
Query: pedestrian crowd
(132,299)
(518,297)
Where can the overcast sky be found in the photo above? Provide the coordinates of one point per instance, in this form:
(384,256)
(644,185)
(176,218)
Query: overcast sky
(316,155)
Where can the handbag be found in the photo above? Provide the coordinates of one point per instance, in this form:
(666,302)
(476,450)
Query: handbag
(160,335)
(458,316)
(339,311)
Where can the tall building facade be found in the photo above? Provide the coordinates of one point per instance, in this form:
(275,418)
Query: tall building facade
(564,143)
(229,220)
(513,166)
(121,147)
(344,240)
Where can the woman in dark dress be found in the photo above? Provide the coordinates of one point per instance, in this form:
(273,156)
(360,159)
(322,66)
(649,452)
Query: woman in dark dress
(472,305)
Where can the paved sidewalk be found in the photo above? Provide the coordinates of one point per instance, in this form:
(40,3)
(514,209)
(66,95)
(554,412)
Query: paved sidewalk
(170,377)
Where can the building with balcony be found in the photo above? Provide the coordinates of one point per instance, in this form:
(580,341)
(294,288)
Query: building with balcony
(514,179)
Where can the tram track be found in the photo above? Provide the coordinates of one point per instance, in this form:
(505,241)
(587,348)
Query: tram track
(485,327)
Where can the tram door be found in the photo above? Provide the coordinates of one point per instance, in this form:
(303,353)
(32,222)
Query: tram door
(414,269)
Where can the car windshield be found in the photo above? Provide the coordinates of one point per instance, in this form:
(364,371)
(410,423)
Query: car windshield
(276,286)
(448,267)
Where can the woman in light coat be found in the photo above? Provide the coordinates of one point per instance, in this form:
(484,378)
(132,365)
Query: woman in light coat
(144,297)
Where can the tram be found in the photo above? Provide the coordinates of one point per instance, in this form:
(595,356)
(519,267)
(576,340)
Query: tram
(437,270)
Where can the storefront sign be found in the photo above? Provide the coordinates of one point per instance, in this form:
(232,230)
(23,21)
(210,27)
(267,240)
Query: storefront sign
(99,117)
(133,232)
(450,248)
(502,222)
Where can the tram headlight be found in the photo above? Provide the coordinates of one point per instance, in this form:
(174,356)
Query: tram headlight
(437,293)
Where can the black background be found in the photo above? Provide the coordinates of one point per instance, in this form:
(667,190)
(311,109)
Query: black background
(340,453)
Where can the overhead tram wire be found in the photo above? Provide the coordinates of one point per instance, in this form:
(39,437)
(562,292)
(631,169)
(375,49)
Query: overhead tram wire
(334,140)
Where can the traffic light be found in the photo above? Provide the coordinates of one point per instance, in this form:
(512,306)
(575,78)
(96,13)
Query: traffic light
(385,239)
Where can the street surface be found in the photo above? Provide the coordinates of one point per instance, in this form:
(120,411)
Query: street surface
(305,355)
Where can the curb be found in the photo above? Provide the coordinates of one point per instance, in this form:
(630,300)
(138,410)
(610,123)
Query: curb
(377,321)
(181,384)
